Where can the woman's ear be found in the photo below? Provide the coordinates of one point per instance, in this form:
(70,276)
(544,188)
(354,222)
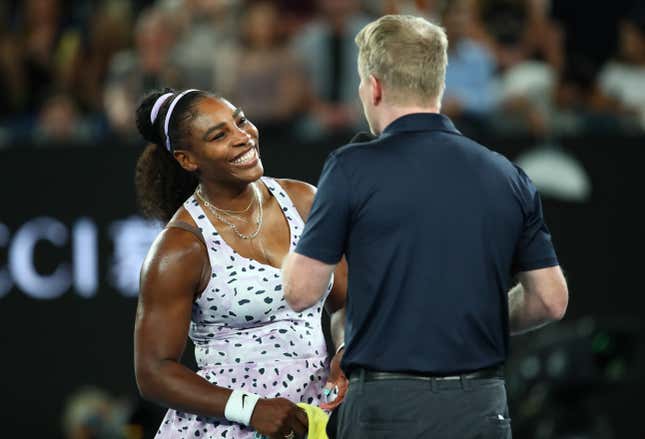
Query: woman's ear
(186,160)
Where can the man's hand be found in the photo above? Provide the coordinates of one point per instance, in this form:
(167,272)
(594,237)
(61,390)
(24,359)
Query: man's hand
(277,418)
(337,381)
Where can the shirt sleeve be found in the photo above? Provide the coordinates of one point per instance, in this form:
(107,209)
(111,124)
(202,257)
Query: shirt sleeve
(326,229)
(534,248)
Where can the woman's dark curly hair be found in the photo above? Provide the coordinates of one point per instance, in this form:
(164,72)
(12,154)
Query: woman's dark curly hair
(162,185)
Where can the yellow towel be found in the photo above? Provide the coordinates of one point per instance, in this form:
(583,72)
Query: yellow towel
(317,421)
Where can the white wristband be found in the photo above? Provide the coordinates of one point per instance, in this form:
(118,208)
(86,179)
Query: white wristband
(342,345)
(239,407)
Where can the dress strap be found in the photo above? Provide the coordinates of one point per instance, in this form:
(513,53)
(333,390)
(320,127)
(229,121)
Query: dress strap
(178,224)
(296,224)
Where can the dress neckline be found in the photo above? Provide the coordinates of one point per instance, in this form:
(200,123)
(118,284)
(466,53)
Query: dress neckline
(232,253)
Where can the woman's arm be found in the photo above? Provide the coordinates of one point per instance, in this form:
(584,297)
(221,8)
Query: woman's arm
(171,276)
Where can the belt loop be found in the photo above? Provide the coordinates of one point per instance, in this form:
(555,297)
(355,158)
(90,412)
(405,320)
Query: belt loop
(466,384)
(434,385)
(361,380)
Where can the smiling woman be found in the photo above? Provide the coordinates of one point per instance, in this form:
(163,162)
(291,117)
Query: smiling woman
(214,274)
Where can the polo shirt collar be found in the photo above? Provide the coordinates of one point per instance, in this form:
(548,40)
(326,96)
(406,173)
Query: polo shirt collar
(421,122)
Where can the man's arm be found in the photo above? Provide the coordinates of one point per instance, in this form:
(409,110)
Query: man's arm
(304,280)
(306,272)
(541,297)
(337,328)
(302,195)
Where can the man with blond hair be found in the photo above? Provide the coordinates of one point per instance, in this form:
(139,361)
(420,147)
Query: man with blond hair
(434,227)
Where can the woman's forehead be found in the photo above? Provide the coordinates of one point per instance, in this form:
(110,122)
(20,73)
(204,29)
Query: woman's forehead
(212,104)
(213,111)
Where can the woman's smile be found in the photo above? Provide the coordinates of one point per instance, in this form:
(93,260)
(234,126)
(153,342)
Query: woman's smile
(246,159)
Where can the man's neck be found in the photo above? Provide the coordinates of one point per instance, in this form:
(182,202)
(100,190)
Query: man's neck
(390,114)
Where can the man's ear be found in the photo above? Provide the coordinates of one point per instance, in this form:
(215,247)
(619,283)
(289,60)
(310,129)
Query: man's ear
(376,89)
(186,160)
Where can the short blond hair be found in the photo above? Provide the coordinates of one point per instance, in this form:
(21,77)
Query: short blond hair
(408,55)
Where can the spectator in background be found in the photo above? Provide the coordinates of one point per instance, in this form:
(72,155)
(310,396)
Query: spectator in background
(590,29)
(61,123)
(578,108)
(206,30)
(470,93)
(9,77)
(622,80)
(326,48)
(9,74)
(39,54)
(590,39)
(428,9)
(515,31)
(133,71)
(108,31)
(266,81)
(90,413)
(294,14)
(529,53)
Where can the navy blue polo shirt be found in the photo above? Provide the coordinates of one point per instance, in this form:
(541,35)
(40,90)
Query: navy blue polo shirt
(434,226)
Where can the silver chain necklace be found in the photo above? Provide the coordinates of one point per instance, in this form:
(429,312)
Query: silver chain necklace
(233,227)
(233,213)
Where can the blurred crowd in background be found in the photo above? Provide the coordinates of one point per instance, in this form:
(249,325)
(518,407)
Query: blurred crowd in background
(72,72)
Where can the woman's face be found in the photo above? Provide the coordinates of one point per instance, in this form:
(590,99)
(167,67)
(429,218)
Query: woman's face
(224,144)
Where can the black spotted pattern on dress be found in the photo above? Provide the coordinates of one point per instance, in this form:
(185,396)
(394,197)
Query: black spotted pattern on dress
(245,335)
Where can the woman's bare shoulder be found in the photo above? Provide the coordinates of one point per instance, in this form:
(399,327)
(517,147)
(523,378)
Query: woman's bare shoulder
(301,193)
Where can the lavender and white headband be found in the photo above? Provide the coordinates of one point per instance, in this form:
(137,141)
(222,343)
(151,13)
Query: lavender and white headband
(155,108)
(157,105)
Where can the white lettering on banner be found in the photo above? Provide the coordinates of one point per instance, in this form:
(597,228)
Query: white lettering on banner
(85,252)
(21,259)
(132,239)
(5,279)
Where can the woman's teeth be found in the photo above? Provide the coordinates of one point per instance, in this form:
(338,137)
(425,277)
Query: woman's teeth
(248,156)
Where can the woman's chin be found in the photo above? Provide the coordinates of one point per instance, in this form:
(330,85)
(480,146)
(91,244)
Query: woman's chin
(254,173)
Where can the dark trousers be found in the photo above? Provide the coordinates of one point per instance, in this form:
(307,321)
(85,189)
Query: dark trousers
(429,409)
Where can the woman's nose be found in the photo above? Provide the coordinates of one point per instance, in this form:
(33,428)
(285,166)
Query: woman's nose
(241,137)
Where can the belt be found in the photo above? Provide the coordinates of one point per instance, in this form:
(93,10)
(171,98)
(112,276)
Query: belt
(372,375)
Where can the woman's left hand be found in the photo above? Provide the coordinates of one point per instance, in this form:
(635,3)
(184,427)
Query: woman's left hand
(337,383)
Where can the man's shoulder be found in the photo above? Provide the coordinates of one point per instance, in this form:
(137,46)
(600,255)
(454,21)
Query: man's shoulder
(356,148)
(475,148)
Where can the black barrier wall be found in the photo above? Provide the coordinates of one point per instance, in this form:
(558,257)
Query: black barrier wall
(71,245)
